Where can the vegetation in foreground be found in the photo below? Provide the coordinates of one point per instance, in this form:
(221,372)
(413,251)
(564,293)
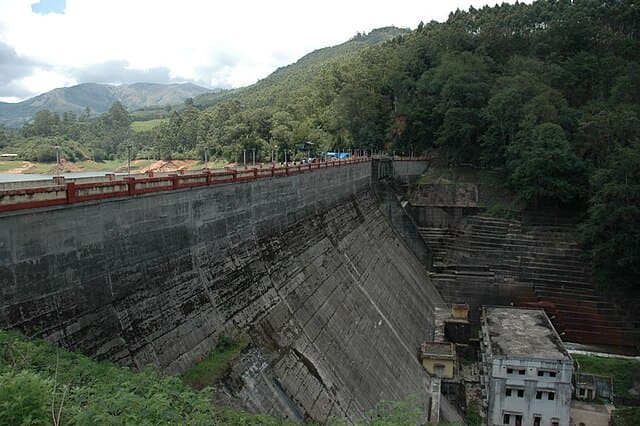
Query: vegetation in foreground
(42,385)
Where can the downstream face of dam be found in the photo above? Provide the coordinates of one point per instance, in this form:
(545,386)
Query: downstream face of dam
(307,265)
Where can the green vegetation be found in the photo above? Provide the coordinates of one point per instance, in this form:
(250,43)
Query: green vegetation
(623,372)
(41,385)
(500,201)
(5,166)
(388,413)
(146,126)
(627,416)
(473,417)
(214,366)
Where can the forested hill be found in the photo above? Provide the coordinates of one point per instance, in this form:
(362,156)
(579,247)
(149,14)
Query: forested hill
(98,98)
(290,80)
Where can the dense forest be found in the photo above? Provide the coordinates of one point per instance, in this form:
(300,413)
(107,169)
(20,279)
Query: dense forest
(547,93)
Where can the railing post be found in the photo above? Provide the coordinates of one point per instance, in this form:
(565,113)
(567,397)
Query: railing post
(71,192)
(131,185)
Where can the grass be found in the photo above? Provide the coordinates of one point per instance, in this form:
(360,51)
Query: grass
(214,366)
(213,164)
(145,126)
(5,166)
(112,165)
(623,372)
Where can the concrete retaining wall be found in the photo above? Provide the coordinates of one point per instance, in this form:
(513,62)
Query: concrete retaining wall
(409,170)
(306,264)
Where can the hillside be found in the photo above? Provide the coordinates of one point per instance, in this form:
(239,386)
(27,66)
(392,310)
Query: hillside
(293,77)
(98,98)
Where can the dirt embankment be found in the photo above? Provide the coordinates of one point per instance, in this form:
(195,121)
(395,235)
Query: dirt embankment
(168,166)
(139,166)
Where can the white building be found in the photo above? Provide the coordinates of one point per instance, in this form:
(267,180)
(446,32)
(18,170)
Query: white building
(526,369)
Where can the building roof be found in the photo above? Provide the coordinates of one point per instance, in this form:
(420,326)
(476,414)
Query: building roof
(523,333)
(438,350)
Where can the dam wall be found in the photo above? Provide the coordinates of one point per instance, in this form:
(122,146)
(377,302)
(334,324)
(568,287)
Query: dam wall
(306,265)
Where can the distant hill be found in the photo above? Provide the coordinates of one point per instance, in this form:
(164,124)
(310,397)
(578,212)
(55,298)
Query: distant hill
(291,77)
(98,98)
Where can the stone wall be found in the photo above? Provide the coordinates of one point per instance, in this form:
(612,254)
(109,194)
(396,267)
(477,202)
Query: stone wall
(307,265)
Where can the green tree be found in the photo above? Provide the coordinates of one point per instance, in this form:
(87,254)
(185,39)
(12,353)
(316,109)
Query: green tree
(544,168)
(612,229)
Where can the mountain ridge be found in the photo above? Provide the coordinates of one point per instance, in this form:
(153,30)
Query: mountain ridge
(98,98)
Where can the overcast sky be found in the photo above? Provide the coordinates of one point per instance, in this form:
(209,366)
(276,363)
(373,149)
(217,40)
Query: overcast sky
(53,43)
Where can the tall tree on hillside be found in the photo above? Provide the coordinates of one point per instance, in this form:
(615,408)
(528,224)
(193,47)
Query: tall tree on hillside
(612,229)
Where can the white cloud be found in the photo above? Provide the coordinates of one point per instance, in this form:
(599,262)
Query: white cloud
(43,80)
(226,43)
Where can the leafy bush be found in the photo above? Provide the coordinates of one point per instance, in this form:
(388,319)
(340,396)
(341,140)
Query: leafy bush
(24,399)
(46,154)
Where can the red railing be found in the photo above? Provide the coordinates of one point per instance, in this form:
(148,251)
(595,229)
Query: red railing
(69,192)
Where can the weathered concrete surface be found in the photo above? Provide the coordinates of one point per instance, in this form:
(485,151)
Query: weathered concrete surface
(394,207)
(307,264)
(409,170)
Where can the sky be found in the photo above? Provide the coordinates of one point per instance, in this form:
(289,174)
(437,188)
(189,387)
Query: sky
(45,44)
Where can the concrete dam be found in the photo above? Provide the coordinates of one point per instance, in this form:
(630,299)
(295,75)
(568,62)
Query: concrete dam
(307,264)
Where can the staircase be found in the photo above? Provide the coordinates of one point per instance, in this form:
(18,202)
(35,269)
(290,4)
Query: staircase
(488,260)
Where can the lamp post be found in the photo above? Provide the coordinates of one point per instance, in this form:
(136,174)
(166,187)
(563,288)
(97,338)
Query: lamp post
(206,157)
(129,160)
(57,158)
(244,157)
(285,157)
(254,156)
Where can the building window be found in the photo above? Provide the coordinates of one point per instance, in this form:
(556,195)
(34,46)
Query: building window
(552,396)
(520,393)
(538,395)
(581,392)
(518,420)
(555,423)
(536,420)
(540,373)
(552,373)
(505,420)
(509,371)
(508,392)
(521,372)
